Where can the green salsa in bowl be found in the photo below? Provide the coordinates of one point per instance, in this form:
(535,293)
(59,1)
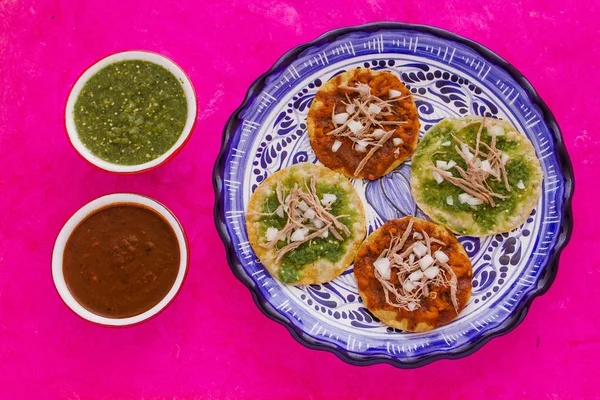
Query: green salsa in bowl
(131,111)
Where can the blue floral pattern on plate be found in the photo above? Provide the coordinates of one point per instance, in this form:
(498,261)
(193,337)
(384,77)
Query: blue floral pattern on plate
(448,78)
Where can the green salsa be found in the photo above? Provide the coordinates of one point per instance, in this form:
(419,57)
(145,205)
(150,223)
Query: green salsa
(307,253)
(130,112)
(486,216)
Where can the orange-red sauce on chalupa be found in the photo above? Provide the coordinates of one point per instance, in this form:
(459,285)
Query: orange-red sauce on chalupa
(433,311)
(121,260)
(348,159)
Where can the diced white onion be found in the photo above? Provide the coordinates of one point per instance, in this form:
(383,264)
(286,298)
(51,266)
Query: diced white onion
(355,126)
(450,164)
(328,199)
(394,93)
(477,163)
(378,133)
(521,185)
(350,108)
(496,131)
(397,141)
(511,135)
(470,200)
(416,276)
(272,233)
(485,166)
(310,213)
(298,235)
(474,201)
(397,151)
(325,234)
(438,178)
(279,212)
(336,146)
(419,249)
(441,164)
(302,205)
(450,201)
(441,256)
(383,267)
(431,272)
(417,235)
(412,306)
(408,286)
(426,262)
(411,259)
(505,158)
(339,119)
(317,223)
(446,144)
(465,150)
(374,109)
(360,148)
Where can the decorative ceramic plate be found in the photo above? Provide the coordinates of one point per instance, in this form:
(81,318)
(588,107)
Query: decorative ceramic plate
(450,77)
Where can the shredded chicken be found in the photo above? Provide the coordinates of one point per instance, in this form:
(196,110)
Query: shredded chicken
(363,162)
(369,121)
(401,295)
(322,222)
(473,180)
(453,284)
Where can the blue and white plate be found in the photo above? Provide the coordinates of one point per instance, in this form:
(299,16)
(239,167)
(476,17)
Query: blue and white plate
(450,77)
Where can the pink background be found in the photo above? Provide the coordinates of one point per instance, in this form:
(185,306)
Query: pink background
(212,342)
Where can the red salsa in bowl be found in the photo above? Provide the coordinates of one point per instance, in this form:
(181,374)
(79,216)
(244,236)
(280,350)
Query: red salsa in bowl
(120,259)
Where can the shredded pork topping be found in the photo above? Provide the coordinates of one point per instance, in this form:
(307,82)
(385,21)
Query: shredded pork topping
(473,180)
(418,271)
(363,122)
(308,217)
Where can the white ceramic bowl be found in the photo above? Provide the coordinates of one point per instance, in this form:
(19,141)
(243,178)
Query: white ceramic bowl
(77,218)
(188,90)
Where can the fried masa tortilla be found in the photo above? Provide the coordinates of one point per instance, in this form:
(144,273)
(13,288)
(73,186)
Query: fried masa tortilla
(431,311)
(456,205)
(383,153)
(319,259)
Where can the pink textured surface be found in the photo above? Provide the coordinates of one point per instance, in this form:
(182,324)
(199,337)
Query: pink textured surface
(212,342)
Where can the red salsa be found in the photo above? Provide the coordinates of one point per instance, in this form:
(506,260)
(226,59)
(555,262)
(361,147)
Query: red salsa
(121,260)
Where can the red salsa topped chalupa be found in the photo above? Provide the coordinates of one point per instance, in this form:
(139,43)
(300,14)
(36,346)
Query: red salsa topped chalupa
(363,123)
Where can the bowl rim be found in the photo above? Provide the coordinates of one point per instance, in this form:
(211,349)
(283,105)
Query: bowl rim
(145,55)
(545,280)
(84,212)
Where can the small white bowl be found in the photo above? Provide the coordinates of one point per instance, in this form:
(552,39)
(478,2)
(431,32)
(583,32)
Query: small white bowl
(192,109)
(83,213)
